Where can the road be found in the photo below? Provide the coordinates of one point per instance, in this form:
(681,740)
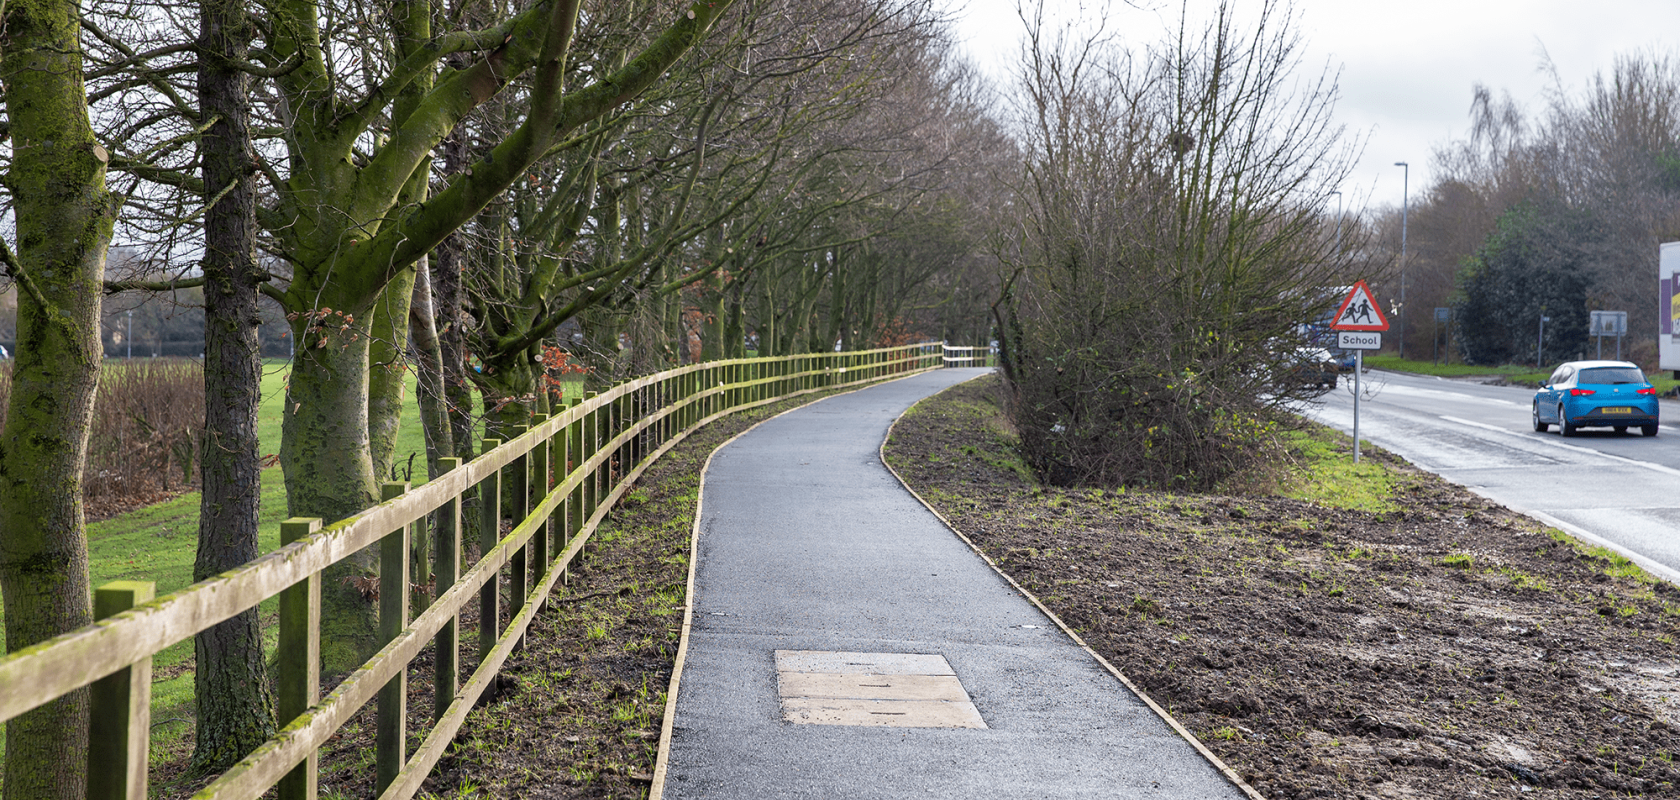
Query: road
(1622,490)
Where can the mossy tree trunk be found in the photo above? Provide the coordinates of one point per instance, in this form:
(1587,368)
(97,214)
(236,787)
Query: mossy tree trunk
(387,378)
(230,677)
(64,217)
(345,223)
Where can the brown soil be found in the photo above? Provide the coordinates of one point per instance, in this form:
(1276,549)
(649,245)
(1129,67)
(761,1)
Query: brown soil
(1448,648)
(579,710)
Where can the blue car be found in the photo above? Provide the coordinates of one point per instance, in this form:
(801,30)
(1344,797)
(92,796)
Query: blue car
(1596,394)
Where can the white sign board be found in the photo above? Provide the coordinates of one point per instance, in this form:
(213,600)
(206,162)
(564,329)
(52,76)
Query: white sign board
(1609,323)
(1359,340)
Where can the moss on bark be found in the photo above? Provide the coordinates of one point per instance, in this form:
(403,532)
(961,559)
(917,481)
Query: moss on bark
(64,217)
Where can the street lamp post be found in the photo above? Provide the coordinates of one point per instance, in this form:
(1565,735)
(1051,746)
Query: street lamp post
(1405,202)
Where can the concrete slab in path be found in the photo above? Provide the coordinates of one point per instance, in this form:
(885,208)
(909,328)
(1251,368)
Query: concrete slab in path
(808,545)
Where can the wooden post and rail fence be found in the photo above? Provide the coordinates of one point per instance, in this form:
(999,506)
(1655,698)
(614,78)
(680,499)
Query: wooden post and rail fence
(607,440)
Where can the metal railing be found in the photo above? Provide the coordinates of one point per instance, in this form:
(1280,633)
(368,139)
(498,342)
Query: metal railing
(608,440)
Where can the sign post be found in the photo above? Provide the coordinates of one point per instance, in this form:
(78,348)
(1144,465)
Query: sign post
(1609,323)
(1359,325)
(1443,316)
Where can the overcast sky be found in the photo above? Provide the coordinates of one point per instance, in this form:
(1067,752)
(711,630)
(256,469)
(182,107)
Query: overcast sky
(1407,68)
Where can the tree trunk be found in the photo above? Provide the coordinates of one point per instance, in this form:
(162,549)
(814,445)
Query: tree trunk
(428,362)
(329,474)
(386,367)
(447,300)
(230,679)
(64,216)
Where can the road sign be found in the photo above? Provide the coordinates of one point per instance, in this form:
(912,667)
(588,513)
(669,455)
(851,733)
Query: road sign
(1359,340)
(1360,311)
(1609,323)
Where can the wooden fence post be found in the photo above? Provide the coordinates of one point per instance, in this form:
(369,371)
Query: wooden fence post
(298,659)
(446,672)
(537,492)
(574,460)
(489,532)
(120,713)
(390,745)
(518,492)
(624,417)
(591,445)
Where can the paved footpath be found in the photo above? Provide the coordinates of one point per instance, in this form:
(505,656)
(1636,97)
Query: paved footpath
(845,644)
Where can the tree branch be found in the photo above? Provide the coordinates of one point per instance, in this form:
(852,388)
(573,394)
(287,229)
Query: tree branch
(112,287)
(17,273)
(150,77)
(399,245)
(416,65)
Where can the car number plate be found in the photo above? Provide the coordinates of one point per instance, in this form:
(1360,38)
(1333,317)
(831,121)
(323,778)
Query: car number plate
(1615,410)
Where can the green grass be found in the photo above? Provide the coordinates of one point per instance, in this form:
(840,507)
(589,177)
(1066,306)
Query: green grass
(1324,473)
(1516,373)
(1458,560)
(410,439)
(158,543)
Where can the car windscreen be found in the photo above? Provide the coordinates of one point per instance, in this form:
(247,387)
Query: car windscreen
(1606,375)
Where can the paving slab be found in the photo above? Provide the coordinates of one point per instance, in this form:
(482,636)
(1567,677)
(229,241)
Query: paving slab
(812,559)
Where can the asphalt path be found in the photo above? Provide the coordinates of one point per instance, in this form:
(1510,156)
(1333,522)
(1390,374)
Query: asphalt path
(1620,489)
(807,543)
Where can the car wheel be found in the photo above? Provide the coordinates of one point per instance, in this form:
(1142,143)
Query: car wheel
(1648,430)
(1564,428)
(1539,427)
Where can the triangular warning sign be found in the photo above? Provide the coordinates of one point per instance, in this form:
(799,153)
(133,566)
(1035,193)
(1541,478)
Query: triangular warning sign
(1360,311)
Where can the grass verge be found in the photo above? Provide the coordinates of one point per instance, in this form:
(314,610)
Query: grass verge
(1391,635)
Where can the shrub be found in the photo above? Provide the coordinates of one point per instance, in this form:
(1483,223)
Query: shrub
(144,434)
(146,421)
(1173,245)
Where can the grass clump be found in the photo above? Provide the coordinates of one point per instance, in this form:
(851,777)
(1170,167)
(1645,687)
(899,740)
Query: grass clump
(1608,561)
(1323,472)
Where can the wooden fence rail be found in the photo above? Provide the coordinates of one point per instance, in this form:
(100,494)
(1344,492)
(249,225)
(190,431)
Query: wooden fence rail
(606,440)
(981,356)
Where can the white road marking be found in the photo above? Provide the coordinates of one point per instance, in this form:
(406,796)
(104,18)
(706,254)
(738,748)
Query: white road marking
(1414,391)
(1650,565)
(1666,470)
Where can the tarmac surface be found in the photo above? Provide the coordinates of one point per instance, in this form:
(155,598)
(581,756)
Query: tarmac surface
(818,576)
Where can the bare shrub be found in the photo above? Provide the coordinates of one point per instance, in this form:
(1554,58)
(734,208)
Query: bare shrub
(144,436)
(1174,241)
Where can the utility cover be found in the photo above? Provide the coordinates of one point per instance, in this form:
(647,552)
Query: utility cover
(897,690)
(1360,311)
